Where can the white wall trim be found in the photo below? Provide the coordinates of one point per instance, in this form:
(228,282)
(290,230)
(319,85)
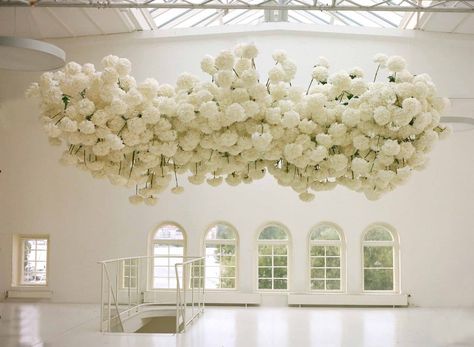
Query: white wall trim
(27,293)
(348,299)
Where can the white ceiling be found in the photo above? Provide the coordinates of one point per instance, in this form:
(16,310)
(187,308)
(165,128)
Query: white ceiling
(68,22)
(71,22)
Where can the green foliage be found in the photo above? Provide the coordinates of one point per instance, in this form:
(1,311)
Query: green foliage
(273,232)
(375,279)
(66,99)
(325,232)
(376,256)
(378,234)
(376,261)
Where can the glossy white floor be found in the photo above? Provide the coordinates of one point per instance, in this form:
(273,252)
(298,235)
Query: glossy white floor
(28,324)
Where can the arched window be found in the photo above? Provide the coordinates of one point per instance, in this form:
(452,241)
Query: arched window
(220,245)
(168,247)
(273,256)
(326,252)
(381,256)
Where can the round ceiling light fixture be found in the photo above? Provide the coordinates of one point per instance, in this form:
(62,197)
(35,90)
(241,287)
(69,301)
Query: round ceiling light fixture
(22,54)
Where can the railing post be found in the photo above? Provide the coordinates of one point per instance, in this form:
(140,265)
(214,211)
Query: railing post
(137,267)
(192,288)
(102,298)
(129,282)
(185,301)
(109,290)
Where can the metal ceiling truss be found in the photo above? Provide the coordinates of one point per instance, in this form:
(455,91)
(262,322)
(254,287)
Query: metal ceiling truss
(365,6)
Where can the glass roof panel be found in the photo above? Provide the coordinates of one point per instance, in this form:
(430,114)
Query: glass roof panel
(362,13)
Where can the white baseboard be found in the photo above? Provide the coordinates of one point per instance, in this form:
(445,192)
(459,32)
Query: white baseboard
(29,294)
(375,299)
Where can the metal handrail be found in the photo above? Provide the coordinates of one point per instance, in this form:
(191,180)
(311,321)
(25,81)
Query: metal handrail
(107,283)
(146,257)
(181,303)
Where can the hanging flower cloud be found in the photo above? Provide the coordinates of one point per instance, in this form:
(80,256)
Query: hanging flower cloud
(367,136)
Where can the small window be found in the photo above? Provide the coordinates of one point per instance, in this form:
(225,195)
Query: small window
(168,249)
(220,257)
(34,261)
(380,252)
(326,260)
(273,255)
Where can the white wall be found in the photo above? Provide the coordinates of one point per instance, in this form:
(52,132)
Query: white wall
(89,220)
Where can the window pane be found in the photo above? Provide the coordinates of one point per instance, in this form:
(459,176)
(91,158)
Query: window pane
(317,262)
(279,284)
(212,249)
(41,255)
(325,232)
(280,250)
(264,261)
(41,244)
(176,250)
(228,249)
(220,265)
(280,260)
(161,261)
(378,233)
(169,232)
(317,250)
(227,260)
(221,232)
(160,249)
(212,283)
(160,272)
(332,250)
(264,284)
(317,273)
(378,256)
(34,261)
(264,272)
(375,279)
(228,283)
(333,285)
(264,249)
(280,272)
(333,261)
(227,271)
(273,233)
(317,284)
(160,282)
(333,273)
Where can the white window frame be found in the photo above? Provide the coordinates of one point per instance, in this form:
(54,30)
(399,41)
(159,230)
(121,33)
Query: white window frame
(286,243)
(395,244)
(153,242)
(21,253)
(234,242)
(129,263)
(341,243)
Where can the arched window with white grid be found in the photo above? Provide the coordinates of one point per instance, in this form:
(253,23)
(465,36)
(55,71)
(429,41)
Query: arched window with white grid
(380,252)
(273,250)
(168,246)
(221,257)
(326,258)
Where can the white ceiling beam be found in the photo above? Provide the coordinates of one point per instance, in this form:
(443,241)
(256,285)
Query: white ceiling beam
(421,6)
(92,21)
(60,21)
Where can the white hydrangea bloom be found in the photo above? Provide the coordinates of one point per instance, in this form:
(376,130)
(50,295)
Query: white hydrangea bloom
(396,63)
(363,135)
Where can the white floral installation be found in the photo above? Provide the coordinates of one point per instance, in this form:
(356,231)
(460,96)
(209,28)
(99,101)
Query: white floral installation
(367,136)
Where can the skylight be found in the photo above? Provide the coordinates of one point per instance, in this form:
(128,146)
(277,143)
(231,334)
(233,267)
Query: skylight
(204,13)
